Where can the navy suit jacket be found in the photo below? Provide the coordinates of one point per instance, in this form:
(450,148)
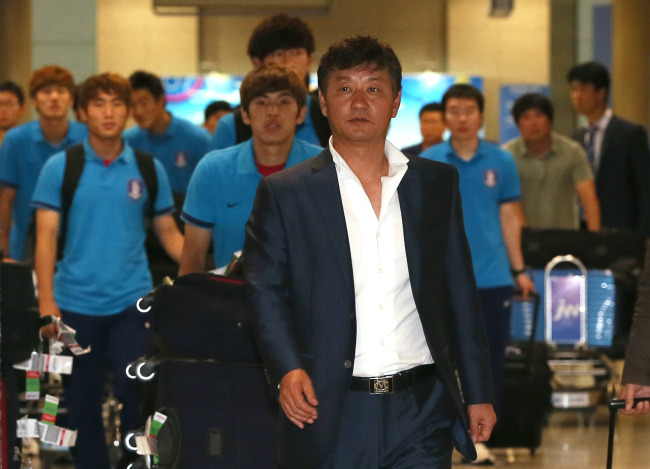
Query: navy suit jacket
(301,297)
(623,177)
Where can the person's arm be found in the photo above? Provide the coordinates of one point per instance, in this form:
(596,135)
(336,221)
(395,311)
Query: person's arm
(587,193)
(639,157)
(47,230)
(169,235)
(511,223)
(195,248)
(7,197)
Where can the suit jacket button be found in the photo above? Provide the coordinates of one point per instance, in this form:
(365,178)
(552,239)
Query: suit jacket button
(347,364)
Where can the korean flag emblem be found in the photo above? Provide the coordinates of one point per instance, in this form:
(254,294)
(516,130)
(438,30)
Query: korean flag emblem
(135,188)
(490,177)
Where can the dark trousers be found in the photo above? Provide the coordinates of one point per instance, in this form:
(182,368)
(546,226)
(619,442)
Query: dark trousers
(9,415)
(495,303)
(407,429)
(116,341)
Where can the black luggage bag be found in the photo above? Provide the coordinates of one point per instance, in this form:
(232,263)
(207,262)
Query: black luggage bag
(527,394)
(210,379)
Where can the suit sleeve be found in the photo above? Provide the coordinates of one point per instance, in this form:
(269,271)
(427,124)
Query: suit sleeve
(637,357)
(471,339)
(640,174)
(266,269)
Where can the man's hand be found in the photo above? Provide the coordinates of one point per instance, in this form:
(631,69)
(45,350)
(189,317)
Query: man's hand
(525,284)
(297,398)
(629,392)
(481,421)
(49,308)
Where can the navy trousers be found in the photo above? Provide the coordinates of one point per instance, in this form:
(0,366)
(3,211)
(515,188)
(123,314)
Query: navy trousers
(116,341)
(407,429)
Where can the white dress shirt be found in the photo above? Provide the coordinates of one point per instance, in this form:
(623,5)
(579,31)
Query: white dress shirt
(601,127)
(389,331)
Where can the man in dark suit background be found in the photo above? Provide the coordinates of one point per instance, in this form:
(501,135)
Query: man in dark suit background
(617,150)
(361,290)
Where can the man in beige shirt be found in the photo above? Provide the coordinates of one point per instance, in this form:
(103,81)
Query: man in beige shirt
(554,171)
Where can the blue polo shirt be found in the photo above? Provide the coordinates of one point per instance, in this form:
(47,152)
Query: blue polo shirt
(489,179)
(221,193)
(104,268)
(179,149)
(23,152)
(225,134)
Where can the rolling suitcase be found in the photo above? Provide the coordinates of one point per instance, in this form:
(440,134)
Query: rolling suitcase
(614,406)
(527,392)
(206,376)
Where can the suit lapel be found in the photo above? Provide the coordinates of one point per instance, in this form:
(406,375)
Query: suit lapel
(607,139)
(328,207)
(410,201)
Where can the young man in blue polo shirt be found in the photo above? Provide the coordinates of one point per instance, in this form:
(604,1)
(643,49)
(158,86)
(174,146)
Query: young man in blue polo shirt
(176,143)
(25,149)
(283,40)
(104,268)
(489,186)
(221,192)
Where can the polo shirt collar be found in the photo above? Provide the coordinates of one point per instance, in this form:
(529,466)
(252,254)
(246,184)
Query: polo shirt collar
(126,156)
(480,151)
(246,157)
(38,135)
(551,152)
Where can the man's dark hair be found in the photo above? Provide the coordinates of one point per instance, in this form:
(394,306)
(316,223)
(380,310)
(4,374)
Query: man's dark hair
(50,75)
(431,107)
(110,83)
(590,72)
(360,52)
(141,80)
(216,106)
(280,31)
(464,91)
(271,78)
(13,88)
(528,101)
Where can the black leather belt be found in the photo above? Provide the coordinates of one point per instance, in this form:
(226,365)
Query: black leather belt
(392,383)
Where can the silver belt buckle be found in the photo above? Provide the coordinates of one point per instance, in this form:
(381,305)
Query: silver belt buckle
(382,385)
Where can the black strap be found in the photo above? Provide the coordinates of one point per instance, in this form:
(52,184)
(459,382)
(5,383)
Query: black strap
(74,168)
(147,170)
(243,131)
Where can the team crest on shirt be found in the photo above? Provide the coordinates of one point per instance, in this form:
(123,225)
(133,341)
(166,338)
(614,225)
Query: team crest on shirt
(490,178)
(181,160)
(135,188)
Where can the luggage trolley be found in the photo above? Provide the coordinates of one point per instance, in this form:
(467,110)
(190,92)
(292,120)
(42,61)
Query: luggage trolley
(581,374)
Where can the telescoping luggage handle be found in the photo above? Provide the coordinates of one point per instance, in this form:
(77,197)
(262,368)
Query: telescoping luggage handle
(614,406)
(565,304)
(534,296)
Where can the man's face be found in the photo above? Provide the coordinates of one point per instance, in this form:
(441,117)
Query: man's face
(213,120)
(53,102)
(10,110)
(147,110)
(105,116)
(586,98)
(432,126)
(463,118)
(359,104)
(534,126)
(297,59)
(273,117)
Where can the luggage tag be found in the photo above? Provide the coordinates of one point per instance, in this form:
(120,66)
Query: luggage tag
(32,378)
(147,444)
(67,336)
(27,428)
(50,409)
(57,436)
(47,363)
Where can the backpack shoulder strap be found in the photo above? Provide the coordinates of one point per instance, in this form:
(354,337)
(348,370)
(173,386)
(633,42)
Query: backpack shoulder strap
(242,131)
(74,167)
(147,170)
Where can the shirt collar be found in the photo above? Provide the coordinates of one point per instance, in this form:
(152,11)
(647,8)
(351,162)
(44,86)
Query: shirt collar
(40,137)
(246,157)
(480,151)
(396,159)
(551,151)
(602,123)
(126,156)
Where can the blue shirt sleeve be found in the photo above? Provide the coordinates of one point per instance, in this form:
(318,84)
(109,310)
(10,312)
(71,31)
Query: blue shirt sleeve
(224,135)
(199,208)
(510,189)
(9,172)
(47,193)
(164,202)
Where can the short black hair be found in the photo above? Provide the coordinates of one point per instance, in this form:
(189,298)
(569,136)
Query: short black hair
(360,51)
(431,107)
(148,81)
(529,101)
(590,72)
(216,106)
(15,89)
(280,31)
(464,91)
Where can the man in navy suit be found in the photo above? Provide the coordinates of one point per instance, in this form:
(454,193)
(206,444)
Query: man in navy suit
(361,289)
(617,150)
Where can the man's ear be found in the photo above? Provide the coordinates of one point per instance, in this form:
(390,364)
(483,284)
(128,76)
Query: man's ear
(83,114)
(396,103)
(244,116)
(323,104)
(257,62)
(301,115)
